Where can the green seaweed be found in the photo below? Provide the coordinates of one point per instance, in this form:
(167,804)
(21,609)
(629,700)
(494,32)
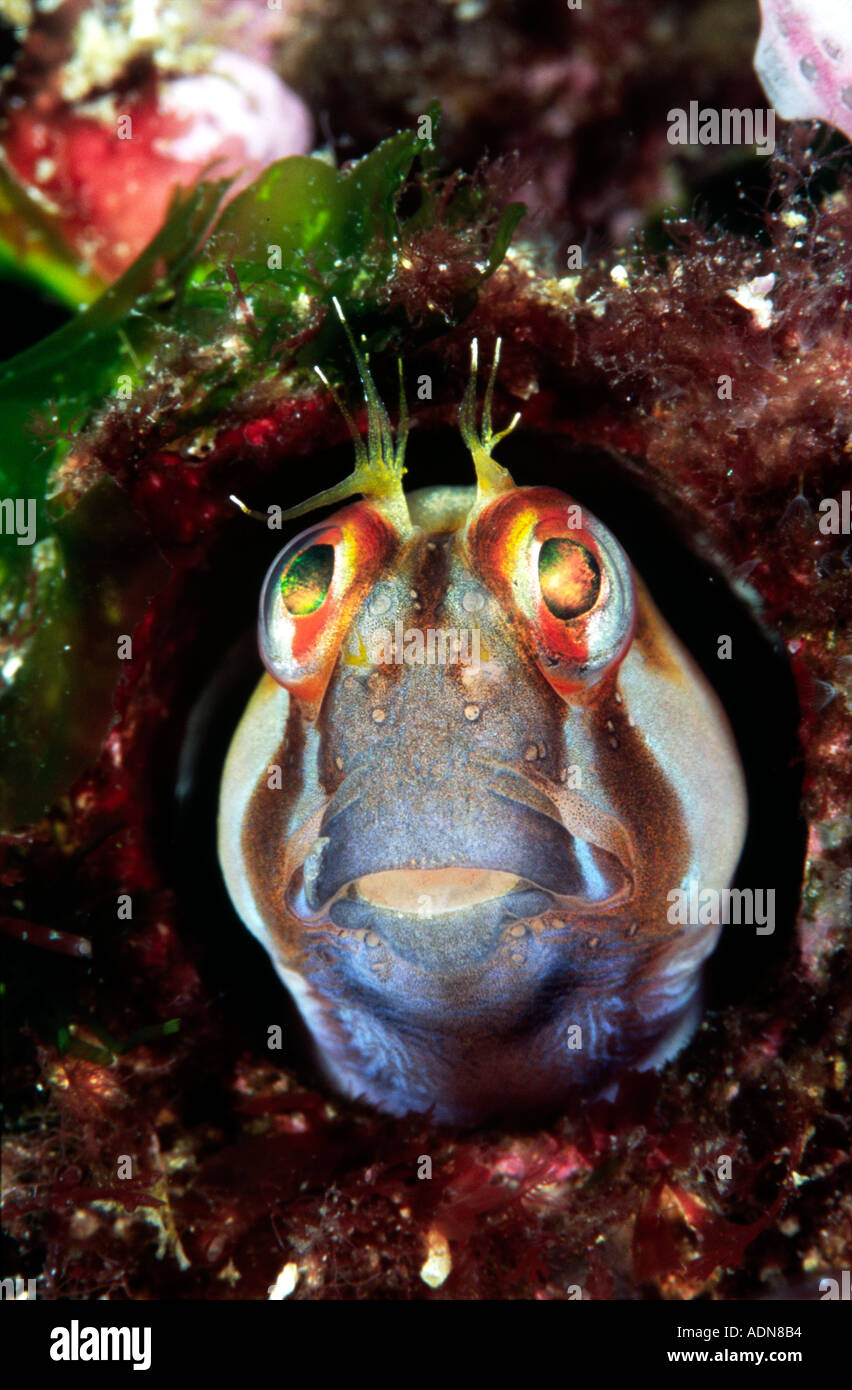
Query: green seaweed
(32,250)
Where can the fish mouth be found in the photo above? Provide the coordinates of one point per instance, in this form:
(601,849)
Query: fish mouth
(434,892)
(426,870)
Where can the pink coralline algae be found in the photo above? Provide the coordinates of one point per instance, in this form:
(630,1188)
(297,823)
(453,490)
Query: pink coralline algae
(108,168)
(804,60)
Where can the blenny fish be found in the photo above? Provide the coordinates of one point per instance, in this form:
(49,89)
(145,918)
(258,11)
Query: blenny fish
(478,762)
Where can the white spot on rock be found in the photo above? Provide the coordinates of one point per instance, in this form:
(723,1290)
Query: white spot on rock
(285,1283)
(754,296)
(439,1261)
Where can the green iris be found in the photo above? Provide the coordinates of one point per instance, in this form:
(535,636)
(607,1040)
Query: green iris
(569,576)
(307,579)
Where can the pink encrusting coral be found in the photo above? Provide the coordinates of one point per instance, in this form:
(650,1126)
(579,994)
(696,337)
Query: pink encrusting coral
(804,60)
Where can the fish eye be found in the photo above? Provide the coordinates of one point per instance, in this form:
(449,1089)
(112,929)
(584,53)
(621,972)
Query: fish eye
(302,599)
(569,577)
(311,593)
(305,583)
(556,565)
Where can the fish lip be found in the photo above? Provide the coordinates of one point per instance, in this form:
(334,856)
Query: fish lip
(463,943)
(523,898)
(518,887)
(493,820)
(448,944)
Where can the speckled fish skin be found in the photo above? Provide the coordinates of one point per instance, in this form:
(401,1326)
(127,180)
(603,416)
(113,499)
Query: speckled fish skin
(804,60)
(414,1004)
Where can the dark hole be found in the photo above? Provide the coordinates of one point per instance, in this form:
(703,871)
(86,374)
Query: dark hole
(10,44)
(29,314)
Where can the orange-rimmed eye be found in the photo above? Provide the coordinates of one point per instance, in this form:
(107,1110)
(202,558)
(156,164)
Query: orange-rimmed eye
(556,564)
(311,592)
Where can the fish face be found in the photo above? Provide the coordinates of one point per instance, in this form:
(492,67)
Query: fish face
(461,796)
